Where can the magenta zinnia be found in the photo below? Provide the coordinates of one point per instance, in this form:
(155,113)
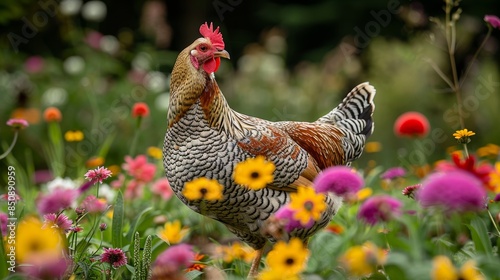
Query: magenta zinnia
(455,191)
(60,221)
(114,256)
(18,123)
(340,180)
(380,208)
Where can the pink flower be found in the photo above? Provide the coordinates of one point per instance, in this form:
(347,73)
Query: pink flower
(455,191)
(118,183)
(93,39)
(139,168)
(411,190)
(179,256)
(134,189)
(340,180)
(98,175)
(94,205)
(60,221)
(18,123)
(285,214)
(3,223)
(114,256)
(162,187)
(494,21)
(56,201)
(482,171)
(393,173)
(34,64)
(380,208)
(45,267)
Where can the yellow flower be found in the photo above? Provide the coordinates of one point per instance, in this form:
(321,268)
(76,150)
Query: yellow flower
(73,136)
(463,135)
(364,193)
(32,241)
(172,232)
(94,162)
(443,269)
(495,178)
(289,259)
(254,173)
(203,188)
(363,260)
(307,204)
(373,147)
(490,150)
(237,252)
(155,152)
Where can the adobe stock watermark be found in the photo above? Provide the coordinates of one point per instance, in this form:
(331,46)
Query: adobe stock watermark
(223,6)
(371,29)
(426,147)
(31,25)
(10,246)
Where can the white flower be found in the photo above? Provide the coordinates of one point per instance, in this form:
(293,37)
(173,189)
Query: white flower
(161,101)
(142,61)
(70,7)
(60,183)
(156,81)
(94,11)
(54,96)
(74,65)
(109,44)
(107,192)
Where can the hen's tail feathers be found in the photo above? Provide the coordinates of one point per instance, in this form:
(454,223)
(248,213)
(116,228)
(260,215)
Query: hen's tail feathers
(354,112)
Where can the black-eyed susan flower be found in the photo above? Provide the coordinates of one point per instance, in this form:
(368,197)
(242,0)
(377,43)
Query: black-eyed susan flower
(362,260)
(307,205)
(463,136)
(155,152)
(33,239)
(73,136)
(203,188)
(443,268)
(172,232)
(254,173)
(288,259)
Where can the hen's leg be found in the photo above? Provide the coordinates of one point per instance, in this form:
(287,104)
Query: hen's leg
(254,269)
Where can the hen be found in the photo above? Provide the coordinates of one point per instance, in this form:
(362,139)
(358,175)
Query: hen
(206,138)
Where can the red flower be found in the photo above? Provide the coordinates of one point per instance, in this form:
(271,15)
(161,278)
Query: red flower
(52,114)
(494,21)
(411,124)
(482,171)
(140,109)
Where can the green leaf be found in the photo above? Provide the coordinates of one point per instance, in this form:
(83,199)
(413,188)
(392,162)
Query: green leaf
(480,236)
(193,274)
(117,225)
(136,222)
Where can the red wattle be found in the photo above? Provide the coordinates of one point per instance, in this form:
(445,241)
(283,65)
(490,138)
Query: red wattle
(211,65)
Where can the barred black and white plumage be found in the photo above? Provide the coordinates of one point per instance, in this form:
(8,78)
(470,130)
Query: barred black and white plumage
(206,138)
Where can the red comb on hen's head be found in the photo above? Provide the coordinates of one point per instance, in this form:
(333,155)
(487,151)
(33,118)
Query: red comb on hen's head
(213,35)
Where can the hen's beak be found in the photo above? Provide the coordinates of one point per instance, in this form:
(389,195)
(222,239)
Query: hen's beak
(222,53)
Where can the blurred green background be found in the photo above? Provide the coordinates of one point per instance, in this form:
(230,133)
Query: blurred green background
(289,61)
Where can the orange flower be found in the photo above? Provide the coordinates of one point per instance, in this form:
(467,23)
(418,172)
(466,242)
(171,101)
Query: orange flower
(52,114)
(32,115)
(197,265)
(140,109)
(94,162)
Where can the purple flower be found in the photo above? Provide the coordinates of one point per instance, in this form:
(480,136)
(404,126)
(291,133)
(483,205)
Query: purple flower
(340,180)
(285,214)
(103,226)
(455,191)
(34,64)
(3,223)
(494,21)
(98,175)
(56,201)
(393,173)
(18,123)
(114,256)
(380,208)
(497,197)
(45,268)
(411,190)
(60,221)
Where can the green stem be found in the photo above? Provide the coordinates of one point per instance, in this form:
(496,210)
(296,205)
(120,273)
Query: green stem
(494,223)
(11,145)
(136,137)
(469,67)
(466,151)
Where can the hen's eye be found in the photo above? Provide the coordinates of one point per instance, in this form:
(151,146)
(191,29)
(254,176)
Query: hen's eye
(203,48)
